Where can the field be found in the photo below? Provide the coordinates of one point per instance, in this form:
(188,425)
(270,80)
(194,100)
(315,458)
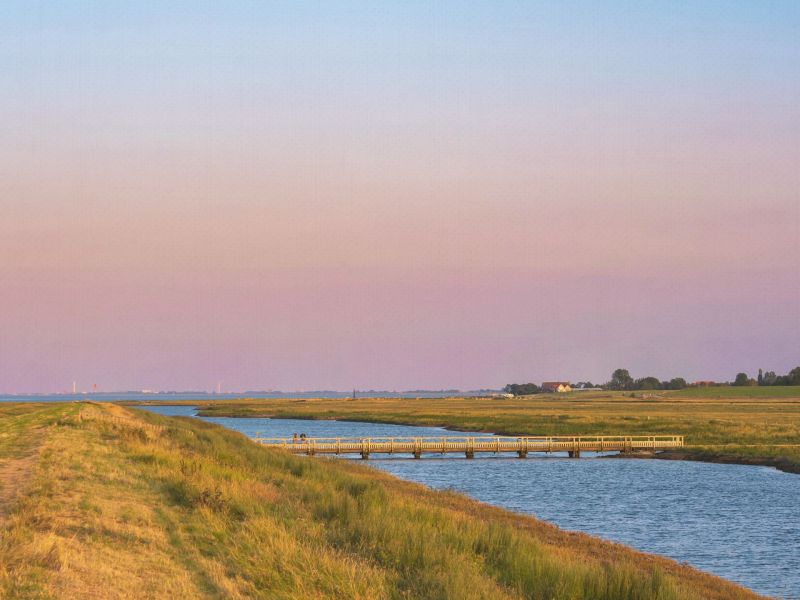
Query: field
(720,424)
(102,501)
(754,392)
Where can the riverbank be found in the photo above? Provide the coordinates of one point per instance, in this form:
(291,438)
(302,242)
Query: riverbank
(117,503)
(715,456)
(741,430)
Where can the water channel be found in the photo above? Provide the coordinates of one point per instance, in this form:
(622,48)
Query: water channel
(739,522)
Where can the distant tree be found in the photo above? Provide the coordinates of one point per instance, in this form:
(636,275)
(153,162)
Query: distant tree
(521,389)
(741,379)
(794,376)
(621,380)
(760,377)
(647,383)
(677,383)
(770,378)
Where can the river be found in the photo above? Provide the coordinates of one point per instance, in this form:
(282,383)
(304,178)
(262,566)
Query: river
(739,522)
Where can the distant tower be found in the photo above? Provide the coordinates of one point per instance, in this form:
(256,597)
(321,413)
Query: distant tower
(219,387)
(74,387)
(94,388)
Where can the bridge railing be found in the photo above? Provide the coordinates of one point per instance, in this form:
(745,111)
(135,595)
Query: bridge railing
(556,442)
(475,437)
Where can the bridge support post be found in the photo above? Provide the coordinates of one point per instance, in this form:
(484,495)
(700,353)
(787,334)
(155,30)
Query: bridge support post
(574,453)
(364,455)
(522,453)
(470,453)
(417,454)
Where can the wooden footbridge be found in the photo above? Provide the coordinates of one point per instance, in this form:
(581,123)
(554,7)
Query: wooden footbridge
(469,446)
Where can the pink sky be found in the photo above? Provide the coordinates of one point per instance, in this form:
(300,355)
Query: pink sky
(460,215)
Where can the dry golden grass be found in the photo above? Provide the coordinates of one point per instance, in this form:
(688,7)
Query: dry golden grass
(123,504)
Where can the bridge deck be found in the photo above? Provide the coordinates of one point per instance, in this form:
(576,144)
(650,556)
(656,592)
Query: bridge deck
(417,446)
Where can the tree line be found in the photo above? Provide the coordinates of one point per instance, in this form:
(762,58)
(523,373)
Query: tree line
(621,380)
(769,378)
(522,389)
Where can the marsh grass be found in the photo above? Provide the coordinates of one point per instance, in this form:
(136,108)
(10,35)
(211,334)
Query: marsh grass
(191,510)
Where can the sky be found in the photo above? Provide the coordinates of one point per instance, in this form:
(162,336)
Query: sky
(396,195)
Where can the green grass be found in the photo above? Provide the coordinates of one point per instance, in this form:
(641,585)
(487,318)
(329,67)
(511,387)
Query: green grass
(731,429)
(126,504)
(733,392)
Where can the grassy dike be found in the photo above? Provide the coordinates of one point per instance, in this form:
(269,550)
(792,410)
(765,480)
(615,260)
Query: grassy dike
(736,425)
(108,502)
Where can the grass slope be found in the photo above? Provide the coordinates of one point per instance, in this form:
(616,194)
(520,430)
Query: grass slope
(123,504)
(737,429)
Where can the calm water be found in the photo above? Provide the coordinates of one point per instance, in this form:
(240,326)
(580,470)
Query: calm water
(739,522)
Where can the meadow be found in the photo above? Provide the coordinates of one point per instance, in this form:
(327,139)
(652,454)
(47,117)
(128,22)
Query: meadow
(772,392)
(725,424)
(119,503)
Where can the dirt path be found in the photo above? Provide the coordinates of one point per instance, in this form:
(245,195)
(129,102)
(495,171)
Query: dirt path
(14,475)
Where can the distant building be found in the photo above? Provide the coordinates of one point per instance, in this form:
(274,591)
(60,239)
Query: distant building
(556,386)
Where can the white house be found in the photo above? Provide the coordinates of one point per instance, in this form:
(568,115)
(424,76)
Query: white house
(556,386)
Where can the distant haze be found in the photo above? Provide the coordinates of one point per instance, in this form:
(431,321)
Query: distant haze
(396,195)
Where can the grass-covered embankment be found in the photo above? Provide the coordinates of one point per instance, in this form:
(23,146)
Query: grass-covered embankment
(126,504)
(764,429)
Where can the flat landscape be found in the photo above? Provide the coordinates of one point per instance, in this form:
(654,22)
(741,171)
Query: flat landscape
(101,501)
(399,300)
(750,425)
